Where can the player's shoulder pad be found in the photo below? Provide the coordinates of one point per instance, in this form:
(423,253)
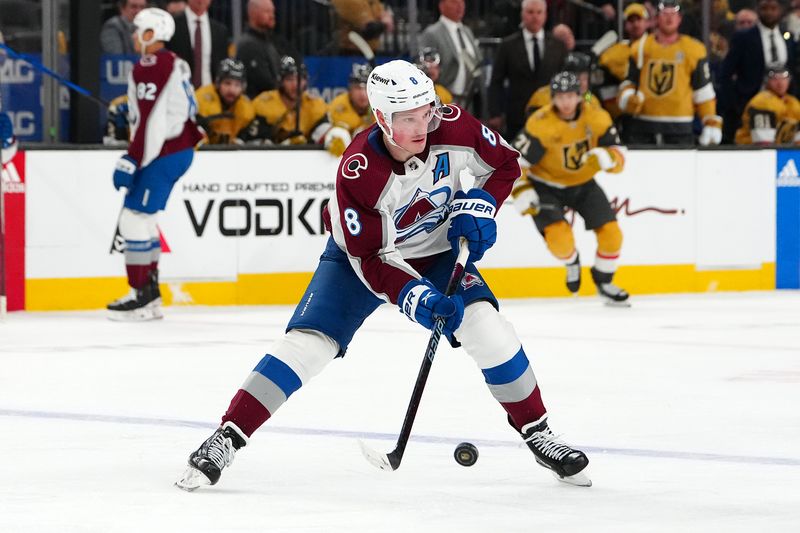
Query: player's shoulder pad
(457,127)
(364,171)
(597,117)
(693,48)
(537,122)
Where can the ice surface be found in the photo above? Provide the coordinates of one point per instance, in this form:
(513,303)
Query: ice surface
(687,406)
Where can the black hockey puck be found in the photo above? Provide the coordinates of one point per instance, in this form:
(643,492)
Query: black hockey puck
(466,454)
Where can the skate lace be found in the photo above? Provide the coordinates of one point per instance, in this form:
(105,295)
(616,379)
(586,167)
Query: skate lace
(132,295)
(549,444)
(573,272)
(219,450)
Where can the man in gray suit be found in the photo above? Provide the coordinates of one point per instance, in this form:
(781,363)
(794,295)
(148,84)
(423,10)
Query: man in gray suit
(525,61)
(460,55)
(116,35)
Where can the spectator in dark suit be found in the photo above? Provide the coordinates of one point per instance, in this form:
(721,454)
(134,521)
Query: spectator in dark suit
(743,69)
(193,24)
(526,60)
(261,49)
(115,37)
(458,50)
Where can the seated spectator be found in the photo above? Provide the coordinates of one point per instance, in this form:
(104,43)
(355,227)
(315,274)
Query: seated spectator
(772,115)
(579,64)
(115,37)
(289,115)
(260,48)
(614,60)
(563,33)
(668,83)
(223,110)
(118,130)
(368,18)
(428,62)
(200,41)
(350,111)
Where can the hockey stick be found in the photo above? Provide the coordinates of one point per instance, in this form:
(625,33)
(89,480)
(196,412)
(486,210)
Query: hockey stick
(38,66)
(363,47)
(391,461)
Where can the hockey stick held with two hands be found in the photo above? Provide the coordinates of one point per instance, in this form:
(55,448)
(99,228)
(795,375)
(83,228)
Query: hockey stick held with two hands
(391,461)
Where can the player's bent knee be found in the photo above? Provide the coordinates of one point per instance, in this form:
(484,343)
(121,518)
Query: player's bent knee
(609,237)
(135,225)
(305,351)
(559,239)
(486,335)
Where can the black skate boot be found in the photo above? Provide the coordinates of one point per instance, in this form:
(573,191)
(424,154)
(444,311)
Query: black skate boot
(154,283)
(137,305)
(611,295)
(217,452)
(566,464)
(574,275)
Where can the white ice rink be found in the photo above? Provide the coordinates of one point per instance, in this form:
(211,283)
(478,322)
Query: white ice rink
(687,406)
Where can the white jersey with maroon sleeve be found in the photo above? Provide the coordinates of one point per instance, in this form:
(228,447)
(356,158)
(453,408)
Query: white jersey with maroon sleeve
(161,107)
(385,213)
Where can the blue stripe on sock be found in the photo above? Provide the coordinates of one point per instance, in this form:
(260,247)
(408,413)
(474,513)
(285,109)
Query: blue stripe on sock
(508,371)
(279,373)
(138,246)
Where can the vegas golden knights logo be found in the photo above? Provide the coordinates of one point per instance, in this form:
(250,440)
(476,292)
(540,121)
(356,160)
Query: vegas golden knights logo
(661,77)
(573,154)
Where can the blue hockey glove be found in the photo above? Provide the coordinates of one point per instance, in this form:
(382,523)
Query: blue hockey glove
(420,301)
(124,172)
(472,217)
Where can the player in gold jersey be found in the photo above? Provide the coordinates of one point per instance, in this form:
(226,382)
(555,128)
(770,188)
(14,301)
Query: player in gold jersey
(562,147)
(223,110)
(350,111)
(614,60)
(772,115)
(668,82)
(581,65)
(289,115)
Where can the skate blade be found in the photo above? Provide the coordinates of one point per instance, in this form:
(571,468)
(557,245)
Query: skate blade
(579,480)
(192,480)
(608,302)
(136,315)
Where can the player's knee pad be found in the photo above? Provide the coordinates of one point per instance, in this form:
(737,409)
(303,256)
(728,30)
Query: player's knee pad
(137,226)
(609,238)
(305,351)
(560,240)
(486,335)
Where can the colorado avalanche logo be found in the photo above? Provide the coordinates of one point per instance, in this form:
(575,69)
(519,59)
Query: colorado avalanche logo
(470,280)
(450,112)
(351,169)
(425,212)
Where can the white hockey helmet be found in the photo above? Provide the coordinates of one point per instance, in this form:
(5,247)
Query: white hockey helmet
(158,20)
(400,86)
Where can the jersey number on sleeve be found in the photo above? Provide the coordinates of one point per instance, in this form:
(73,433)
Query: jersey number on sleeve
(489,135)
(352,222)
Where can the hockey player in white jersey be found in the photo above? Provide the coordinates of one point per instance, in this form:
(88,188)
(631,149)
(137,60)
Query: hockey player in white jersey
(396,217)
(163,136)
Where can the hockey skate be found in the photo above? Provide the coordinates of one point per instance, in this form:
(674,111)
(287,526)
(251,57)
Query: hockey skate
(138,305)
(574,275)
(207,462)
(566,464)
(611,295)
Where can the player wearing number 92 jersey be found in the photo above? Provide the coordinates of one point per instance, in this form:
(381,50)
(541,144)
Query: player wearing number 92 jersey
(398,216)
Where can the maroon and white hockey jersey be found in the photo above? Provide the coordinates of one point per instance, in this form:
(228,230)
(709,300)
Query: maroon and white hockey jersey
(389,216)
(161,107)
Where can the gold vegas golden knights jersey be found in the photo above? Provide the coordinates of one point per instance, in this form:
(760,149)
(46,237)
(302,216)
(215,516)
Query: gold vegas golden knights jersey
(676,83)
(445,96)
(768,118)
(276,123)
(612,70)
(542,97)
(341,113)
(222,126)
(554,147)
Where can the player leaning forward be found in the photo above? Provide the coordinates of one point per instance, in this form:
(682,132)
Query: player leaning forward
(163,136)
(563,145)
(394,241)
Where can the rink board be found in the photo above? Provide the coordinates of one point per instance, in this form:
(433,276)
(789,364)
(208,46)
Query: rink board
(245,227)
